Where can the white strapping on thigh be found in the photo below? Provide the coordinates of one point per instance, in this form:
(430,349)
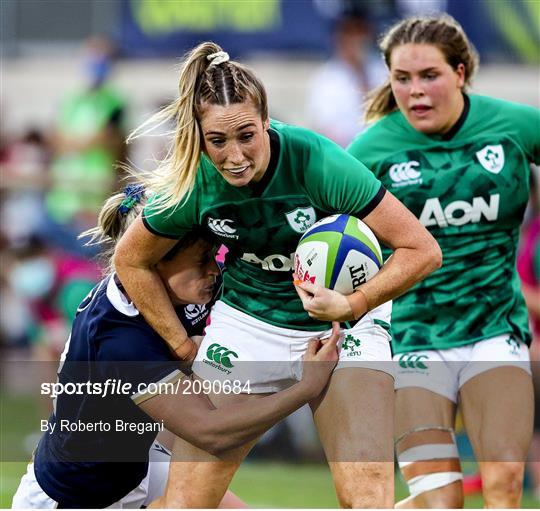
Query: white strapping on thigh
(427,452)
(428,482)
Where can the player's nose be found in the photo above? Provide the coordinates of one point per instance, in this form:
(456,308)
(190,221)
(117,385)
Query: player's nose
(416,89)
(235,154)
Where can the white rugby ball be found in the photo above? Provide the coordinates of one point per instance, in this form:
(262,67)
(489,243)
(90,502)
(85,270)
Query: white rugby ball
(339,252)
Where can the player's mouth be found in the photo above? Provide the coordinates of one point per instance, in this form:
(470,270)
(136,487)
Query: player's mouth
(421,110)
(237,171)
(210,286)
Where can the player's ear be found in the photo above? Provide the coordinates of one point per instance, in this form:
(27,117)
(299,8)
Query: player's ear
(266,124)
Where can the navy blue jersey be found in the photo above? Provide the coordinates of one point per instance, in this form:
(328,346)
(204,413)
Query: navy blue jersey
(114,354)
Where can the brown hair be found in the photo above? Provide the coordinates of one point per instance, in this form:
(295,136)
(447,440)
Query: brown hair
(207,76)
(444,32)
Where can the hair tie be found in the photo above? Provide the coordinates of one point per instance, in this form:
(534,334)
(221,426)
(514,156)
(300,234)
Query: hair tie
(134,194)
(218,58)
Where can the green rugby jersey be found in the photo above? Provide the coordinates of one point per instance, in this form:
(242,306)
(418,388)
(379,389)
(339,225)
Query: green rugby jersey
(469,188)
(308,178)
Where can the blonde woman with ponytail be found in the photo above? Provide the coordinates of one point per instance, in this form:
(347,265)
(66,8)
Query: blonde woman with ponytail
(90,456)
(255,185)
(460,163)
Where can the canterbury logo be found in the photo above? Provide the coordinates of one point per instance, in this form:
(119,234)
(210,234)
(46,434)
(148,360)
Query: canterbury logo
(408,361)
(405,174)
(220,354)
(222,227)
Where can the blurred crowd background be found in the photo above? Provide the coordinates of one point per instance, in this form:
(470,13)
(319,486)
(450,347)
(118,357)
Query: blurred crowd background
(78,75)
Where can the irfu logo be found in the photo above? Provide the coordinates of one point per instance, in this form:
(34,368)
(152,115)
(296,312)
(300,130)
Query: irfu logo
(220,357)
(301,219)
(412,361)
(491,158)
(513,344)
(351,345)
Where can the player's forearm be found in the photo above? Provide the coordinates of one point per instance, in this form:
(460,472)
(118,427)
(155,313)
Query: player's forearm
(146,290)
(135,257)
(239,423)
(404,269)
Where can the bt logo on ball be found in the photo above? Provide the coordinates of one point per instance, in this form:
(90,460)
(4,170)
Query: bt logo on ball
(358,280)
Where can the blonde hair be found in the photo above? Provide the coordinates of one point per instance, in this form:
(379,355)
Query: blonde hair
(116,215)
(444,32)
(207,77)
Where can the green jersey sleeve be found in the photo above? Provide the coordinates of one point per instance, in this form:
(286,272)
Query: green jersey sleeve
(173,222)
(527,119)
(337,182)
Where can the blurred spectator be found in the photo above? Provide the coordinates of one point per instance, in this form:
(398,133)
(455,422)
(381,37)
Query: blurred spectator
(528,263)
(24,178)
(88,142)
(50,284)
(336,92)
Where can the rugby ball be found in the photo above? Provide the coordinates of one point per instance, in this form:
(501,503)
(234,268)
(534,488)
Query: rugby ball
(338,252)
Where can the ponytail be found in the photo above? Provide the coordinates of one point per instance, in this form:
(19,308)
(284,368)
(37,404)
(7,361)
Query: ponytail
(116,215)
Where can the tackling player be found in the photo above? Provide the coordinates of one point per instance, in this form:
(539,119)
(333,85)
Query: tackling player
(74,467)
(460,163)
(256,185)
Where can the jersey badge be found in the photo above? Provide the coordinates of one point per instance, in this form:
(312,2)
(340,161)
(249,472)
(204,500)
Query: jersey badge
(491,158)
(405,173)
(222,227)
(195,312)
(301,219)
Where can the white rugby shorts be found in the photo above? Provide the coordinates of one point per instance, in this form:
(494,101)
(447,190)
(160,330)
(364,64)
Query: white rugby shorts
(446,371)
(29,494)
(239,347)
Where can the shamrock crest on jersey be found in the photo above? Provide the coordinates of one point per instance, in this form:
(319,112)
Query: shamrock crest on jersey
(301,219)
(491,158)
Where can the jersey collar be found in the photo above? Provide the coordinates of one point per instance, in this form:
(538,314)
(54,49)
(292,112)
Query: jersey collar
(118,300)
(446,137)
(449,135)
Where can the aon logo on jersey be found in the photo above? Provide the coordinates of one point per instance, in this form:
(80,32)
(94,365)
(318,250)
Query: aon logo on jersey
(459,212)
(274,262)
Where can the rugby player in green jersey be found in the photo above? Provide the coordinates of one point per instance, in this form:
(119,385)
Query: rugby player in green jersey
(460,163)
(256,186)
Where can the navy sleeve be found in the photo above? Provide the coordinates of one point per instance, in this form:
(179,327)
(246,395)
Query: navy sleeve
(136,357)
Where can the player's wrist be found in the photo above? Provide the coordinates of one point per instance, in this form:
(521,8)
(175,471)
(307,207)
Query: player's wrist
(306,389)
(358,304)
(184,349)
